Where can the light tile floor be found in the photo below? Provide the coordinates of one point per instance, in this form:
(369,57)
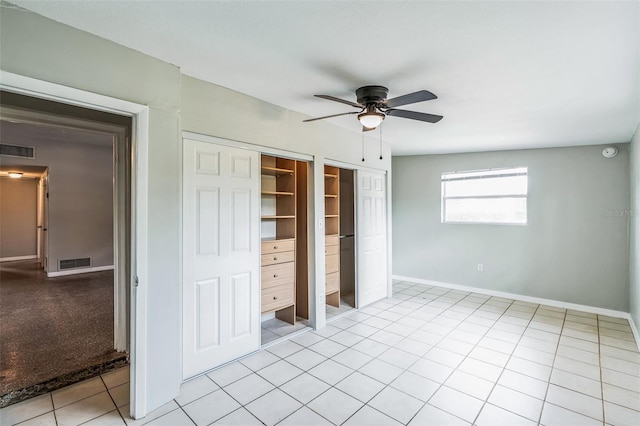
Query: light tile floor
(274,329)
(428,356)
(347,303)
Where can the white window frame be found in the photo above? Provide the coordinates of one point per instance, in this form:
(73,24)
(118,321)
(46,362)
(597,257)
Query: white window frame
(483,174)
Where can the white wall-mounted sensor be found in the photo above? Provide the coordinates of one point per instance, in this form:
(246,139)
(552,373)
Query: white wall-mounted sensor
(610,151)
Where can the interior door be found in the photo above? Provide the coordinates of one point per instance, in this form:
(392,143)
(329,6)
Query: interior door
(371,219)
(221,255)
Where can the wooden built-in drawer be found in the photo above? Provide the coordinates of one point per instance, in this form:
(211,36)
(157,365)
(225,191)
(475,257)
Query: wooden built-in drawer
(275,246)
(331,240)
(276,298)
(279,257)
(332,282)
(279,274)
(332,263)
(329,250)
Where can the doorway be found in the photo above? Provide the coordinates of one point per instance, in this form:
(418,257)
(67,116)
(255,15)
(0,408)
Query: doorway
(284,273)
(340,241)
(74,291)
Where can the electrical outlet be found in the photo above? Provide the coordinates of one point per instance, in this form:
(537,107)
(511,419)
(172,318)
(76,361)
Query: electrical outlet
(480,267)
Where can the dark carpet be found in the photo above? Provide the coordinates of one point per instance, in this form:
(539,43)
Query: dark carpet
(53,330)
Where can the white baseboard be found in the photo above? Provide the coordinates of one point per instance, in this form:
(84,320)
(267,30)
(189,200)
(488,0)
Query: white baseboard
(14,258)
(79,271)
(523,298)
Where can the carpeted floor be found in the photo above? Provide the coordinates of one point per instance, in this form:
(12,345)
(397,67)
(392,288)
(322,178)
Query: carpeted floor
(53,327)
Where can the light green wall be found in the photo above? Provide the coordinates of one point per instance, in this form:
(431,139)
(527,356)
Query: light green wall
(634,256)
(213,110)
(47,50)
(36,47)
(80,205)
(18,217)
(574,248)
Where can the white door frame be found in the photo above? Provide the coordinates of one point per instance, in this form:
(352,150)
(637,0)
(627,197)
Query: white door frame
(40,219)
(139,195)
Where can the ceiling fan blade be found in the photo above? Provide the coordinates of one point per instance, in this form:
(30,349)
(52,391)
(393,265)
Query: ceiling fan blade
(329,116)
(413,115)
(333,98)
(410,98)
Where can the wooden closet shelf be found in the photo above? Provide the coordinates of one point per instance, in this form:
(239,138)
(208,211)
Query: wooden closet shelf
(330,175)
(275,171)
(331,215)
(330,195)
(275,239)
(278,217)
(277,193)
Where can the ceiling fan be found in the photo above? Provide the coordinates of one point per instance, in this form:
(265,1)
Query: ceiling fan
(374,106)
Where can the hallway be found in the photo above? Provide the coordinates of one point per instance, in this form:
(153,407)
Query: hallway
(53,331)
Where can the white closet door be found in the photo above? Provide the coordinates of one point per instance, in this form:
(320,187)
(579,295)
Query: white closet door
(221,255)
(372,237)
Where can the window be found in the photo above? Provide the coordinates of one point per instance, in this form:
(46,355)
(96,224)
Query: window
(486,196)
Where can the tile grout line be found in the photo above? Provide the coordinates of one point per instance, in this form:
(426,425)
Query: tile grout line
(465,357)
(441,338)
(55,417)
(185,413)
(357,370)
(443,382)
(404,370)
(495,383)
(555,355)
(400,302)
(604,418)
(112,400)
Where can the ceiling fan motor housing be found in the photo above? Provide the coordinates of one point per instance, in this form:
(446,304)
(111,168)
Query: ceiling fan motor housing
(368,95)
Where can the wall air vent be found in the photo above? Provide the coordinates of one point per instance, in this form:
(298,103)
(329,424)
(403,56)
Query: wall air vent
(17,151)
(75,263)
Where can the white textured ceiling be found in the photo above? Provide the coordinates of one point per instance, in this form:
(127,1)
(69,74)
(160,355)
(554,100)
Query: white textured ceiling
(508,75)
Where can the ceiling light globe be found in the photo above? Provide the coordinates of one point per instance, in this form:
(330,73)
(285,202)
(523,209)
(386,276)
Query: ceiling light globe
(371,120)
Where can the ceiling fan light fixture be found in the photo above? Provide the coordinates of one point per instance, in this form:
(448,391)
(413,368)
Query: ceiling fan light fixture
(371,119)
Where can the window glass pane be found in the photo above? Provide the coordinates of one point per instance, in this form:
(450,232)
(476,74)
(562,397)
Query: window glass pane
(486,210)
(513,185)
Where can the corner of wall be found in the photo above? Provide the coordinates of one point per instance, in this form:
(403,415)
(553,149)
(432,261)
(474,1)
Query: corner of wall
(634,234)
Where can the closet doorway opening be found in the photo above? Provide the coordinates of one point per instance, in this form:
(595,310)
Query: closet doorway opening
(284,272)
(340,261)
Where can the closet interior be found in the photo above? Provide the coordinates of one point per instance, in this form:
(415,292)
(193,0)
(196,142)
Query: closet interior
(284,289)
(339,240)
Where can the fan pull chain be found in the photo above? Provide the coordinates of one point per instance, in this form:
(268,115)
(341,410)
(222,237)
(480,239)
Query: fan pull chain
(363,144)
(381,141)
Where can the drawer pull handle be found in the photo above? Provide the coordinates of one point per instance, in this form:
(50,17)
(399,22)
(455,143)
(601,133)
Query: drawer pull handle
(275,258)
(275,275)
(275,297)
